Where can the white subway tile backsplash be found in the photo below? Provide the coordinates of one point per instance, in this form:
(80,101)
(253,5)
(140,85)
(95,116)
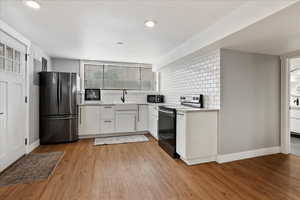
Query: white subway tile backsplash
(199,74)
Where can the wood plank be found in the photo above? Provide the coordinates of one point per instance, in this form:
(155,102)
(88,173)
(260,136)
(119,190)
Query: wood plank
(144,171)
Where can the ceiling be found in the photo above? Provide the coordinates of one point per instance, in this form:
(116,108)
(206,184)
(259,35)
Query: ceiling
(278,34)
(90,29)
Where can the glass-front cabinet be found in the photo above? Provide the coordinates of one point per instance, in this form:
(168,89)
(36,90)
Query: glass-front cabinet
(118,76)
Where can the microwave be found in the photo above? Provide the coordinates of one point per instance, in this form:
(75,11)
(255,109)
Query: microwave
(92,95)
(154,98)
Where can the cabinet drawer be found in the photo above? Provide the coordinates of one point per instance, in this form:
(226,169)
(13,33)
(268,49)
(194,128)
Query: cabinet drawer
(107,126)
(107,112)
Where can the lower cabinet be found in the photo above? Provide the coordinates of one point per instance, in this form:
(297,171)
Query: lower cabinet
(89,120)
(142,118)
(107,126)
(109,119)
(153,121)
(196,136)
(295,120)
(125,121)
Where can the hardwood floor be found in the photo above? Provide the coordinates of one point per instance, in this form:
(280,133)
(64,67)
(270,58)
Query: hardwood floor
(143,171)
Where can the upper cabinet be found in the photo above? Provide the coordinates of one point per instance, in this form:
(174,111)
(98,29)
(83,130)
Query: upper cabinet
(111,76)
(119,77)
(93,76)
(147,79)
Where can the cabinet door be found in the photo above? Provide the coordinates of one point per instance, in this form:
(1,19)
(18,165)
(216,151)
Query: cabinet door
(180,134)
(107,126)
(125,121)
(142,118)
(89,120)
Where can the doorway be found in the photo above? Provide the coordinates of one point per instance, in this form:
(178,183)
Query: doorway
(294,105)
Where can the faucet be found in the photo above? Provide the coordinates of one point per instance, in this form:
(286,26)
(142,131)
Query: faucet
(123,97)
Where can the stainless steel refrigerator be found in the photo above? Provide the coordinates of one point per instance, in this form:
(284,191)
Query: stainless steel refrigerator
(58,107)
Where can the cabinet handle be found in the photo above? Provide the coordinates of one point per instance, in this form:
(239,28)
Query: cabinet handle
(1,113)
(107,121)
(180,114)
(107,107)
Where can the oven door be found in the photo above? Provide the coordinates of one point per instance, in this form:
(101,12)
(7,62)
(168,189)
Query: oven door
(167,130)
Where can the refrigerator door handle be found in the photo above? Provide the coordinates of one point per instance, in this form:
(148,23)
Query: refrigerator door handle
(57,93)
(60,92)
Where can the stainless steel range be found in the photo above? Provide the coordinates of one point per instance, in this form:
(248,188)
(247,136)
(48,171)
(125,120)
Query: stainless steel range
(167,121)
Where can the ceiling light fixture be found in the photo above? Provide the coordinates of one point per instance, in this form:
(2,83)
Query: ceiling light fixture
(150,23)
(32,4)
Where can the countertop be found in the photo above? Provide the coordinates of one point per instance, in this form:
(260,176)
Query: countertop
(112,104)
(187,109)
(197,109)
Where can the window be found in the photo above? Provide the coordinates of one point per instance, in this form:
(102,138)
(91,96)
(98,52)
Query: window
(17,61)
(93,76)
(113,76)
(9,59)
(2,56)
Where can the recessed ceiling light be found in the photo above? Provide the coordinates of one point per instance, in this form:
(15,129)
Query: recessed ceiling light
(32,4)
(120,43)
(150,23)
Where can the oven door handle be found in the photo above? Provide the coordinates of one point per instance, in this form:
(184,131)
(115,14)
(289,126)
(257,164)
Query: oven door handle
(168,112)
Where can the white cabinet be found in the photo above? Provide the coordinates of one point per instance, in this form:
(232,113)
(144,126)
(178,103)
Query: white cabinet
(125,121)
(107,112)
(196,139)
(89,120)
(295,120)
(142,118)
(107,126)
(153,121)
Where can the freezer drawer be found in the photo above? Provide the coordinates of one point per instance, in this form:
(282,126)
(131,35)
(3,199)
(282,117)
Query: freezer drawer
(58,130)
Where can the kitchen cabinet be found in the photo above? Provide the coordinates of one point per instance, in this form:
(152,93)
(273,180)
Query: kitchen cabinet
(196,136)
(125,121)
(107,112)
(295,120)
(107,126)
(89,120)
(142,118)
(153,121)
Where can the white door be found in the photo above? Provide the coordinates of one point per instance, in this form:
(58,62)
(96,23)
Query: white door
(12,100)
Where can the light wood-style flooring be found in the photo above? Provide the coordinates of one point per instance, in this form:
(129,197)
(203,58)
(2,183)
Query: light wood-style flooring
(143,171)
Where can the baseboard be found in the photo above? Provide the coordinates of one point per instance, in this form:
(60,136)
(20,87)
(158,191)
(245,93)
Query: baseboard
(33,146)
(247,154)
(196,161)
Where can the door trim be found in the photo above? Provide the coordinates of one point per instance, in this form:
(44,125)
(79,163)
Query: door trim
(19,37)
(285,95)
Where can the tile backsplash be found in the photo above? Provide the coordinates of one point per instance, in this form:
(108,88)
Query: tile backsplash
(197,74)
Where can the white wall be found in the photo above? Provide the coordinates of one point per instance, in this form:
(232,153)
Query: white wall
(33,99)
(65,65)
(250,102)
(195,74)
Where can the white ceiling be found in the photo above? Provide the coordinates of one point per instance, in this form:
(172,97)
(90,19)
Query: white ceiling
(90,29)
